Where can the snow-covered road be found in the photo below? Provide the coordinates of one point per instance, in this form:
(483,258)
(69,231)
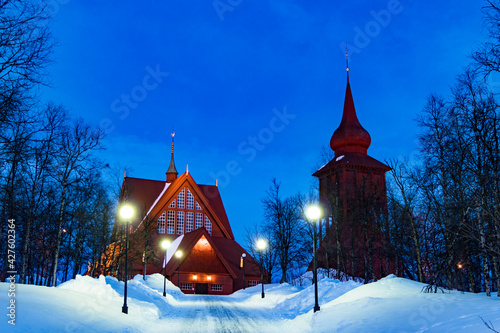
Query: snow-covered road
(202,313)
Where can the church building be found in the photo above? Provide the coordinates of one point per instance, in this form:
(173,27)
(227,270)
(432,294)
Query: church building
(192,218)
(352,191)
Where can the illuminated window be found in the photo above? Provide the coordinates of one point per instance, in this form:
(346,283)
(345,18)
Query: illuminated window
(216,287)
(170,222)
(199,220)
(252,283)
(180,199)
(198,207)
(180,223)
(189,222)
(187,286)
(172,204)
(189,200)
(161,224)
(208,225)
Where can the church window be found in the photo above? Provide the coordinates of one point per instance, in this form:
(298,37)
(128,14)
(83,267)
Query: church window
(252,283)
(172,204)
(189,200)
(180,199)
(216,287)
(199,220)
(198,207)
(180,223)
(187,286)
(208,225)
(170,221)
(189,222)
(161,224)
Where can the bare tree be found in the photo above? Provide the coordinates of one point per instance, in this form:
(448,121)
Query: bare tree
(25,47)
(487,57)
(284,225)
(78,141)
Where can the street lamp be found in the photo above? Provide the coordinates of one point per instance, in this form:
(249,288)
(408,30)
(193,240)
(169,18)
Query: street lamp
(165,245)
(261,245)
(242,265)
(460,267)
(313,213)
(126,213)
(178,255)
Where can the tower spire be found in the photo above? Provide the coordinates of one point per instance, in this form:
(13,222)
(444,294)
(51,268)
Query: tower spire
(350,136)
(347,62)
(172,171)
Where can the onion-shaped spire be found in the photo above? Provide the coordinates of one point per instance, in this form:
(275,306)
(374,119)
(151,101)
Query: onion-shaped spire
(350,136)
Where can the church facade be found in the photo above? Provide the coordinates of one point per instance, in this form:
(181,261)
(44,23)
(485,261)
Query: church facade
(192,218)
(352,190)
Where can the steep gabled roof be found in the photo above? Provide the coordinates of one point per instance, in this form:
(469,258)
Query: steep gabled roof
(207,195)
(141,194)
(213,196)
(189,241)
(233,252)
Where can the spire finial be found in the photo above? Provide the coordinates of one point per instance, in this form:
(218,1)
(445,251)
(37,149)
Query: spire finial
(172,134)
(347,62)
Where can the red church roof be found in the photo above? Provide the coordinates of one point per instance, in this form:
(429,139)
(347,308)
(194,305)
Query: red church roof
(212,194)
(354,160)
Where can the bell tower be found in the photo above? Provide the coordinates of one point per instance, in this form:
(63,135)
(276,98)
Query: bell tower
(352,191)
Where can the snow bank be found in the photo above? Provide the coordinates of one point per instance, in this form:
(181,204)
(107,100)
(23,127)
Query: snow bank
(389,305)
(398,305)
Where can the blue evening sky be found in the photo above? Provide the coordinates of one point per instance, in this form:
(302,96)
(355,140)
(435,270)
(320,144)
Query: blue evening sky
(253,88)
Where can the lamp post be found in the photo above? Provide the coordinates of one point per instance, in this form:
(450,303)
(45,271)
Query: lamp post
(261,245)
(460,266)
(126,213)
(165,245)
(178,254)
(242,264)
(313,213)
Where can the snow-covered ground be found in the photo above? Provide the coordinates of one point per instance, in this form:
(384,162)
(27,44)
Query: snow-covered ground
(389,305)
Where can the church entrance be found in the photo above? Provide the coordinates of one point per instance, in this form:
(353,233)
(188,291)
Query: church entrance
(201,288)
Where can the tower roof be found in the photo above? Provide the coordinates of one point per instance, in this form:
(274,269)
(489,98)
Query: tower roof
(172,171)
(350,136)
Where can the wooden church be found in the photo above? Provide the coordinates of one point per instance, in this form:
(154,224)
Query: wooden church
(192,217)
(352,190)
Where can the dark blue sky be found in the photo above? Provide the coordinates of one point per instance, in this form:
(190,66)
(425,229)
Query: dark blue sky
(225,77)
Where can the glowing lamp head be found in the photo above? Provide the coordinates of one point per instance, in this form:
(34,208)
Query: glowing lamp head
(244,255)
(178,254)
(126,212)
(261,244)
(165,244)
(313,212)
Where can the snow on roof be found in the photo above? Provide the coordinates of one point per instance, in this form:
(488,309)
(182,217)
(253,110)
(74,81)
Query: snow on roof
(154,203)
(157,199)
(339,158)
(173,247)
